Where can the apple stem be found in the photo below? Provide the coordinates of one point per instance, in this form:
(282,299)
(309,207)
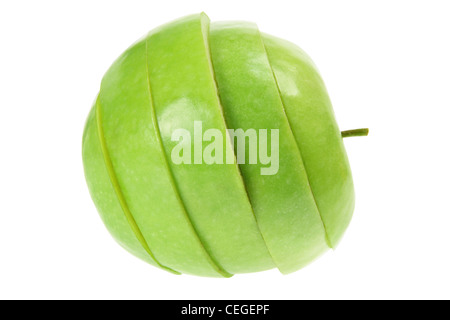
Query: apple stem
(355,133)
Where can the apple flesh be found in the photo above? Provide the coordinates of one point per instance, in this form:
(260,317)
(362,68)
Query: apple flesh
(216,220)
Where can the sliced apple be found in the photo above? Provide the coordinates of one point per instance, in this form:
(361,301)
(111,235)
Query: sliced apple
(202,217)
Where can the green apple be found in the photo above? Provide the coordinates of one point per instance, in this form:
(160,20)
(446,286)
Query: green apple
(216,219)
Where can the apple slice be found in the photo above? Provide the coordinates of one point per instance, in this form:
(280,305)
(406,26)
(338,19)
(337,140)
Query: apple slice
(104,195)
(137,156)
(283,202)
(183,91)
(311,116)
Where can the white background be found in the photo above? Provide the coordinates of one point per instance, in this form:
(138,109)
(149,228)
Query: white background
(387,67)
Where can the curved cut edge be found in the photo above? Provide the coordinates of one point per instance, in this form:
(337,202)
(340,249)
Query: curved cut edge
(307,103)
(119,193)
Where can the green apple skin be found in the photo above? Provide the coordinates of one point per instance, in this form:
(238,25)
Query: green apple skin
(104,195)
(135,150)
(313,123)
(183,91)
(220,219)
(190,216)
(283,203)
